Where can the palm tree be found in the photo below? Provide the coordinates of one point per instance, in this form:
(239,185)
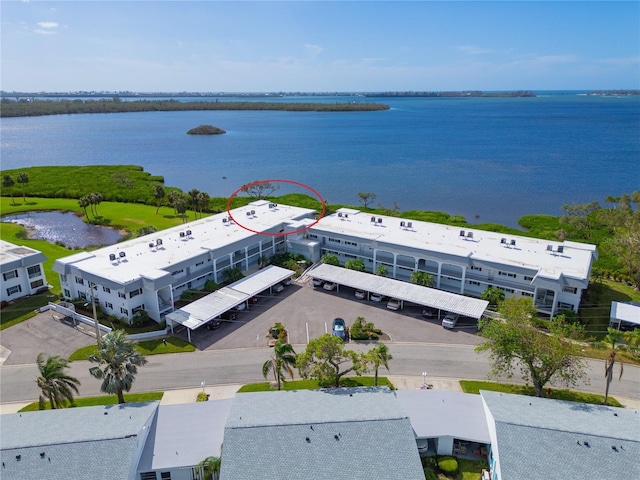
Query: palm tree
(193,195)
(95,199)
(284,357)
(83,203)
(119,361)
(8,183)
(612,342)
(422,278)
(23,179)
(203,201)
(382,270)
(54,383)
(209,468)
(158,194)
(379,355)
(494,296)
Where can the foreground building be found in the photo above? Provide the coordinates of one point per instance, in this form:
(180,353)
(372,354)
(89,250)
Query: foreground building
(22,271)
(350,433)
(150,272)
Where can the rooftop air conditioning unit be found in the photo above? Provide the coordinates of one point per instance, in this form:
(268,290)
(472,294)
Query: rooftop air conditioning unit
(549,248)
(560,248)
(182,234)
(122,254)
(513,243)
(379,220)
(112,256)
(469,234)
(340,214)
(159,241)
(188,233)
(253,212)
(409,224)
(462,233)
(373,219)
(503,241)
(151,245)
(225,220)
(402,224)
(248,214)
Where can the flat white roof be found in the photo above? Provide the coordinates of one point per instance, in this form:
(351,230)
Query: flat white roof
(200,311)
(144,256)
(430,297)
(627,312)
(10,252)
(572,259)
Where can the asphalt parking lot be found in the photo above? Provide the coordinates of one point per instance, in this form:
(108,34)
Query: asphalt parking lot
(308,313)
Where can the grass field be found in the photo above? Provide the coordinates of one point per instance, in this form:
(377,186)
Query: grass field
(145,347)
(472,386)
(313,384)
(101,400)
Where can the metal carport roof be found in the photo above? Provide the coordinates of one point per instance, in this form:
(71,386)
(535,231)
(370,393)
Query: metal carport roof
(201,311)
(409,292)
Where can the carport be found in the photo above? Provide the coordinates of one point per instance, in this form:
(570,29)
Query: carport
(203,310)
(624,314)
(403,291)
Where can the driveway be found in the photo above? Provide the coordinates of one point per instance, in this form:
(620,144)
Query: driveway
(43,333)
(307,313)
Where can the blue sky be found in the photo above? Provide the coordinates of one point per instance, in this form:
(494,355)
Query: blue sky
(266,46)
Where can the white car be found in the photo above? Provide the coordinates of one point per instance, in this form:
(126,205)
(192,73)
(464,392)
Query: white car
(329,286)
(360,294)
(278,288)
(450,320)
(376,297)
(393,304)
(317,282)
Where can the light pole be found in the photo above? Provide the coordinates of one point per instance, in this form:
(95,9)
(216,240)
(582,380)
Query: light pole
(92,286)
(424,379)
(202,384)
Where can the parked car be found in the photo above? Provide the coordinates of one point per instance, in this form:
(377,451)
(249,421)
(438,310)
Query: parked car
(286,281)
(450,320)
(329,286)
(429,313)
(338,328)
(360,294)
(213,324)
(277,288)
(240,307)
(317,282)
(376,297)
(393,304)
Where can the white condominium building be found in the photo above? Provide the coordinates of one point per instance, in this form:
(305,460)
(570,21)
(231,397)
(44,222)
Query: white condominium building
(22,272)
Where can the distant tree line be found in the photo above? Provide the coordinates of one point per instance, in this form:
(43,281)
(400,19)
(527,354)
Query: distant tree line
(39,107)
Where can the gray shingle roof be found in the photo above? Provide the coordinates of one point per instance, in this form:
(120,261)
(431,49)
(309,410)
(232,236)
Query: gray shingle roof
(550,438)
(332,434)
(77,443)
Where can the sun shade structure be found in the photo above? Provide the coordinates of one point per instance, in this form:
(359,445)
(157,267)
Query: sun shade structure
(201,311)
(628,313)
(408,292)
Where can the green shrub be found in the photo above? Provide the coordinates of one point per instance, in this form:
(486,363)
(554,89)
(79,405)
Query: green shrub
(202,397)
(364,331)
(448,465)
(430,474)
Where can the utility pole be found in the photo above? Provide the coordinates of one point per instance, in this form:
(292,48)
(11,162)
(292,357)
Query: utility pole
(92,286)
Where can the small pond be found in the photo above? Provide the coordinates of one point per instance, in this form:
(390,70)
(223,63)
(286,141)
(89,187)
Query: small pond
(65,228)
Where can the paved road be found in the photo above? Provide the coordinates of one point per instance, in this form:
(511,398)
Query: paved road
(235,352)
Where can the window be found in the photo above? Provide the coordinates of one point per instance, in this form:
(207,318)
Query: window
(507,274)
(108,305)
(165,475)
(527,294)
(473,267)
(79,280)
(334,240)
(122,295)
(67,293)
(148,476)
(106,289)
(473,282)
(13,290)
(565,306)
(82,295)
(527,278)
(137,309)
(509,290)
(353,244)
(135,293)
(199,263)
(177,272)
(124,311)
(313,235)
(37,283)
(10,275)
(568,289)
(34,271)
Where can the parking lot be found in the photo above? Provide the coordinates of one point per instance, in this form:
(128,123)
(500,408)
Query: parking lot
(308,312)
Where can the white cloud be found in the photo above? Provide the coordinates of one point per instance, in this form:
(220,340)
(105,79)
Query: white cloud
(44,32)
(48,24)
(314,50)
(473,50)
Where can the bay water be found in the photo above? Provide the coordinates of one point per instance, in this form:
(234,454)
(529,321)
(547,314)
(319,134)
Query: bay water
(487,159)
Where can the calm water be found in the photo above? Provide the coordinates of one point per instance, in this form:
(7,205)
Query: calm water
(488,159)
(64,227)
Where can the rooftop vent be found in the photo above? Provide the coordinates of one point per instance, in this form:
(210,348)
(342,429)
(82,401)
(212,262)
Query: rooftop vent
(462,233)
(151,245)
(402,224)
(225,220)
(182,234)
(560,248)
(346,215)
(469,234)
(112,256)
(248,214)
(122,254)
(373,219)
(188,233)
(409,224)
(549,248)
(503,241)
(253,212)
(340,214)
(159,241)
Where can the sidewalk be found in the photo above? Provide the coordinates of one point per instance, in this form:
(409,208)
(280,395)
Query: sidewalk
(218,392)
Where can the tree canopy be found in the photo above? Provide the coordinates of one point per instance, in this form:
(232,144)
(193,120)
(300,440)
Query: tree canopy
(55,384)
(515,342)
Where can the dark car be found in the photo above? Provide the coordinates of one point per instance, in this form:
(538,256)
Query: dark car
(213,324)
(338,328)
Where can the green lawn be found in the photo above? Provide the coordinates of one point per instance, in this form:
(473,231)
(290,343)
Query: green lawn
(146,347)
(472,386)
(599,297)
(313,384)
(24,308)
(101,400)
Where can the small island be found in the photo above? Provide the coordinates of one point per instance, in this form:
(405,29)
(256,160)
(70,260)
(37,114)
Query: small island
(205,130)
